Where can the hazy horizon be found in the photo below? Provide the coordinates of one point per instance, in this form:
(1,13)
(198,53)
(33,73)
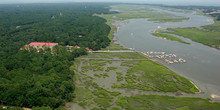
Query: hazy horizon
(167,2)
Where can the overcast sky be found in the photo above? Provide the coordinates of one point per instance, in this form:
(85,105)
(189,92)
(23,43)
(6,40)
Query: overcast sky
(171,2)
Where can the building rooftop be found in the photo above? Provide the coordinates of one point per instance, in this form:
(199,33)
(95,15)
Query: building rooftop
(42,44)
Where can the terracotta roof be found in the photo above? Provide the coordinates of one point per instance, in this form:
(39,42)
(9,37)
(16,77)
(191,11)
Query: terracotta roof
(87,48)
(42,44)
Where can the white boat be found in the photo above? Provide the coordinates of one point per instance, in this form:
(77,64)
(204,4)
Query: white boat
(184,61)
(170,62)
(175,61)
(181,60)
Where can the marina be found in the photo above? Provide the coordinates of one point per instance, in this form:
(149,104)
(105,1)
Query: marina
(163,56)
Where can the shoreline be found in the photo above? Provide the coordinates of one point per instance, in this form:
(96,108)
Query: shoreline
(203,91)
(158,62)
(200,91)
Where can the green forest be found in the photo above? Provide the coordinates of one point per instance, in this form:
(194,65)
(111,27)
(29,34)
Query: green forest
(31,78)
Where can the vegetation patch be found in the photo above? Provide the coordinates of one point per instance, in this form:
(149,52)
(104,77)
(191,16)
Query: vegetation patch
(119,76)
(102,94)
(93,66)
(104,97)
(208,36)
(83,96)
(129,63)
(169,37)
(169,19)
(82,93)
(97,75)
(104,75)
(123,55)
(89,93)
(156,102)
(115,93)
(113,46)
(115,108)
(110,69)
(151,76)
(213,27)
(103,102)
(134,11)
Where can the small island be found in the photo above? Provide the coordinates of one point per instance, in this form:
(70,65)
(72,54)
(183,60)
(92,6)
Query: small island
(169,37)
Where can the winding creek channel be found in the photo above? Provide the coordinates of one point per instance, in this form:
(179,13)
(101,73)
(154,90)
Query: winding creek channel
(203,62)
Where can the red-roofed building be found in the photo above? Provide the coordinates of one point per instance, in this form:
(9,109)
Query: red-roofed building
(41,44)
(87,48)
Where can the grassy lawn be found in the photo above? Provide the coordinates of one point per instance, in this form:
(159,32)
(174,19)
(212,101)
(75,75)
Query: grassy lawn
(169,37)
(151,76)
(208,36)
(156,102)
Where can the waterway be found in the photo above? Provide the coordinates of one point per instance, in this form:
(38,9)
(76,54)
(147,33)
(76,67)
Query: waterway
(203,62)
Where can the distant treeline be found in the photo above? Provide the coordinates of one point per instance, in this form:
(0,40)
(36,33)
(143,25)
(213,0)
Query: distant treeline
(29,78)
(206,9)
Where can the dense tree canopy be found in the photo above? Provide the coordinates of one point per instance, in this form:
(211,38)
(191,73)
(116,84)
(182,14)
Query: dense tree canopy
(217,15)
(68,24)
(29,78)
(35,79)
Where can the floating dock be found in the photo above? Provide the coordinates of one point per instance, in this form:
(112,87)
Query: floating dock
(167,58)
